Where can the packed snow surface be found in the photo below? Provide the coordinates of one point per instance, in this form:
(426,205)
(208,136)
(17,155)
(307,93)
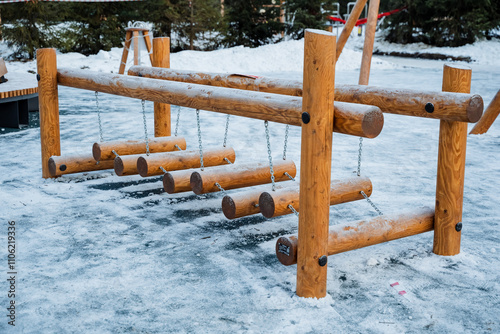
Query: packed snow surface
(98,253)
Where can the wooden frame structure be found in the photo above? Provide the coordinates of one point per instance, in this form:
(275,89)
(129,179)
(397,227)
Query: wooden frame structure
(310,105)
(134,33)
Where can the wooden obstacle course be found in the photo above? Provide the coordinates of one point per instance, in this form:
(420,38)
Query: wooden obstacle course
(134,33)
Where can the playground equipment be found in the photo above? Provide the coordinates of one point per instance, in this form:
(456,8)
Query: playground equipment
(489,116)
(311,105)
(134,32)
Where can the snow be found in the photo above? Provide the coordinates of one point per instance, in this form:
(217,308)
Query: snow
(98,253)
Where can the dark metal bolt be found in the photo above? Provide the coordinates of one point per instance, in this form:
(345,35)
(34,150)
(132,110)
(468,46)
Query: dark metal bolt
(38,77)
(62,168)
(306,118)
(458,227)
(429,107)
(139,74)
(323,260)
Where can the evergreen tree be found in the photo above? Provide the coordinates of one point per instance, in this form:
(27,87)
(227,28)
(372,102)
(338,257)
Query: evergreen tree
(442,22)
(250,22)
(307,14)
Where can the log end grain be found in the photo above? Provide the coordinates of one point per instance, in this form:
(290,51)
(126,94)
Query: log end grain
(196,183)
(229,207)
(142,166)
(118,166)
(475,108)
(373,123)
(266,204)
(96,151)
(286,250)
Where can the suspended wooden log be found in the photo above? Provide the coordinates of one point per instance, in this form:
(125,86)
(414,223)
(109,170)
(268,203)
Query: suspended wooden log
(103,150)
(418,103)
(246,203)
(150,165)
(264,106)
(364,233)
(68,164)
(238,176)
(489,116)
(126,164)
(178,181)
(275,203)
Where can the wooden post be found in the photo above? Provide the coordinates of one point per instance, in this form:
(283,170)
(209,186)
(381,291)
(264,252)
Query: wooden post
(135,35)
(161,58)
(371,26)
(488,118)
(147,41)
(349,25)
(451,169)
(126,47)
(315,162)
(48,107)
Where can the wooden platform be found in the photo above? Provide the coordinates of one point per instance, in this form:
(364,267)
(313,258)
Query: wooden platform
(18,96)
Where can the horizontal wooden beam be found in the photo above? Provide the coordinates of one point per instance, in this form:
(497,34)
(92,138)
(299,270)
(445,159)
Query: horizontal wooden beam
(357,120)
(428,104)
(104,150)
(76,163)
(346,237)
(275,203)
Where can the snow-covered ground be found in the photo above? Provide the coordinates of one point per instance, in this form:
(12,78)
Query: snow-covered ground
(98,253)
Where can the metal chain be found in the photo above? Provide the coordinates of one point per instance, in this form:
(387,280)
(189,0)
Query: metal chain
(225,133)
(98,115)
(163,170)
(371,203)
(114,152)
(177,147)
(143,102)
(228,161)
(293,209)
(289,176)
(286,141)
(220,187)
(359,155)
(177,122)
(199,138)
(271,167)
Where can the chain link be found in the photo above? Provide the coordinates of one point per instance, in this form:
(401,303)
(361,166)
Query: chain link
(177,122)
(98,115)
(271,167)
(220,187)
(228,161)
(289,176)
(359,155)
(114,152)
(146,138)
(163,170)
(286,141)
(293,209)
(225,132)
(371,203)
(199,138)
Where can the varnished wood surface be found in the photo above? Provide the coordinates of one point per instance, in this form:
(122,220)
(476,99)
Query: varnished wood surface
(178,181)
(450,106)
(126,164)
(315,162)
(275,203)
(349,25)
(126,47)
(371,26)
(162,115)
(104,150)
(76,163)
(364,233)
(48,101)
(451,169)
(170,161)
(489,116)
(18,84)
(240,176)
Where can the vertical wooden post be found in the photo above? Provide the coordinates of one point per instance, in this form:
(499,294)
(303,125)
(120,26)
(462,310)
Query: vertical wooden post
(315,162)
(135,34)
(126,46)
(371,26)
(48,107)
(451,169)
(147,41)
(161,58)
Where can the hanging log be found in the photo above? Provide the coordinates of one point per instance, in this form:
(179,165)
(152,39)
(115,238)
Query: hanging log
(126,164)
(178,181)
(246,203)
(69,164)
(489,116)
(238,176)
(364,233)
(264,106)
(103,150)
(150,165)
(275,203)
(418,103)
